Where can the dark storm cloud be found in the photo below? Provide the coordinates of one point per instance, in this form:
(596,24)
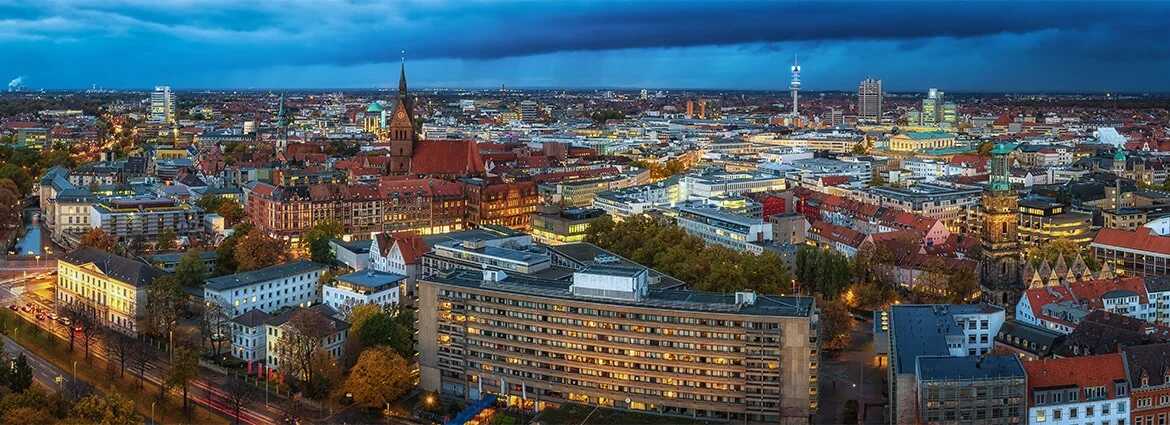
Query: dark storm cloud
(96,39)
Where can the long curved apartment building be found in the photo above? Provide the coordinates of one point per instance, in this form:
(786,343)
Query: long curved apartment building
(605,338)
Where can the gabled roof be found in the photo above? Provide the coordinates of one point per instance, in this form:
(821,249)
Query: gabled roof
(1151,361)
(411,245)
(1103,370)
(450,157)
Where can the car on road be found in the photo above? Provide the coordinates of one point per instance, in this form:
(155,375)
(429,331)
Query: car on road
(14,307)
(27,308)
(40,316)
(53,316)
(64,321)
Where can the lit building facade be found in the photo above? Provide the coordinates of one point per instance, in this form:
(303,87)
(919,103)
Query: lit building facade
(111,287)
(605,339)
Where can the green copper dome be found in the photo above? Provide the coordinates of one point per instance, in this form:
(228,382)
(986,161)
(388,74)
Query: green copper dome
(1119,155)
(374,107)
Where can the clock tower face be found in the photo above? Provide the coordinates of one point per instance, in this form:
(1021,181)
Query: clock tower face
(401,114)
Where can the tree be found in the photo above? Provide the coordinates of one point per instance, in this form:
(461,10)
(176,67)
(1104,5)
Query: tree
(9,202)
(210,203)
(105,409)
(318,237)
(183,370)
(835,324)
(167,240)
(860,148)
(257,251)
(225,254)
(300,340)
(5,371)
(119,346)
(140,358)
(164,303)
(216,326)
(191,271)
(21,376)
(32,406)
(99,239)
(18,175)
(237,394)
(231,211)
(985,148)
(825,270)
(381,376)
(672,251)
(26,416)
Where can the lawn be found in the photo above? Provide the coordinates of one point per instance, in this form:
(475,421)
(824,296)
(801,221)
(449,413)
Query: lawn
(94,372)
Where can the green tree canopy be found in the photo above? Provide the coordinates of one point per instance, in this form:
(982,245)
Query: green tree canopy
(191,271)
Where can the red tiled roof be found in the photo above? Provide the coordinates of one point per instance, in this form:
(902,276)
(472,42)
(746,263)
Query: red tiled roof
(1141,239)
(1091,291)
(1040,297)
(1083,372)
(836,233)
(411,245)
(452,157)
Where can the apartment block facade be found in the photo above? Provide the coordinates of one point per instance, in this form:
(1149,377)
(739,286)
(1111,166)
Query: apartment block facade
(605,339)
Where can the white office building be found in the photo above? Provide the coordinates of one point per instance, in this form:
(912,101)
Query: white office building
(367,286)
(734,231)
(267,289)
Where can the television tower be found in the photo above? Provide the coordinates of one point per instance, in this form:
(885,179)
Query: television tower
(794,86)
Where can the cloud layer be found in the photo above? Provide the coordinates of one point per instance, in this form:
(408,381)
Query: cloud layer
(333,43)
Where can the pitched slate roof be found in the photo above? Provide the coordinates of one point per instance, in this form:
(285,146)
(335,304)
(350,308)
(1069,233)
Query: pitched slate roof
(278,271)
(1151,361)
(124,269)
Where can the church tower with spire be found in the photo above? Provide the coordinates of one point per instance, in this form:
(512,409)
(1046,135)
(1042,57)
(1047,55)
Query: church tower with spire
(1000,262)
(400,131)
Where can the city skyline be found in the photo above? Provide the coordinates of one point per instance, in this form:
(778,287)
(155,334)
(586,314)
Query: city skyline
(734,46)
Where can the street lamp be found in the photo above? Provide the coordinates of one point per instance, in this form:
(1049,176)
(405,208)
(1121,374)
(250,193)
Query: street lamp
(152,421)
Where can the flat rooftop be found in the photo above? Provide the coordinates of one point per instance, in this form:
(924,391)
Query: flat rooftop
(765,305)
(947,368)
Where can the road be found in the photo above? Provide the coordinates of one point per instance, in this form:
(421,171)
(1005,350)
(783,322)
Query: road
(44,373)
(201,391)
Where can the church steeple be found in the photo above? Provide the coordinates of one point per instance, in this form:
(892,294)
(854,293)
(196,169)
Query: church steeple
(402,77)
(400,132)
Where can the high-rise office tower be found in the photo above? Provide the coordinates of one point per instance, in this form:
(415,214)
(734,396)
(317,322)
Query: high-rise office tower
(869,100)
(794,86)
(932,108)
(690,109)
(162,105)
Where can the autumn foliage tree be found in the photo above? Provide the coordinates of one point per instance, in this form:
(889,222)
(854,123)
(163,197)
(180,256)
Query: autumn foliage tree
(257,250)
(380,376)
(99,239)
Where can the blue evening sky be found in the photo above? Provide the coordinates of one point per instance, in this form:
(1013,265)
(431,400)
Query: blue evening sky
(970,46)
